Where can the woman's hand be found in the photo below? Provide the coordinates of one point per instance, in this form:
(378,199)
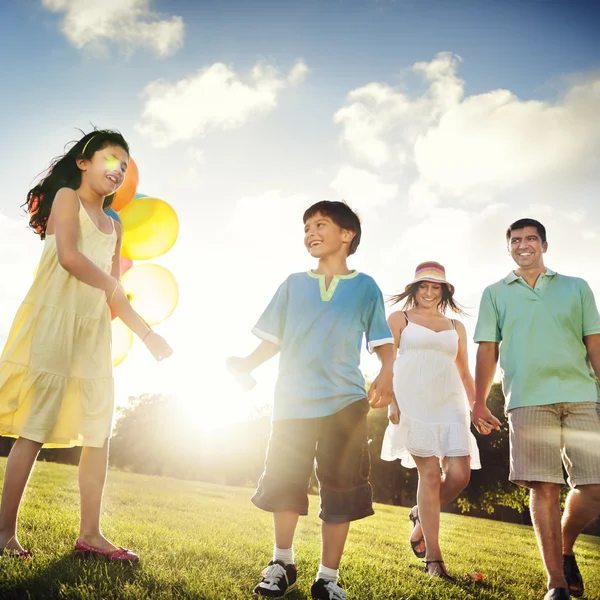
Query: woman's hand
(394,412)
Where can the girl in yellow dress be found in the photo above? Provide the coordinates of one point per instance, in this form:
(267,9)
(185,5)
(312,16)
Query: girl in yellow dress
(56,384)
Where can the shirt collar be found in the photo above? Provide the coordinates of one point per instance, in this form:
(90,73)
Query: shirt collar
(513,277)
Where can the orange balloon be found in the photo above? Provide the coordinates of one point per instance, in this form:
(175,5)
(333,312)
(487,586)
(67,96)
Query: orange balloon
(127,191)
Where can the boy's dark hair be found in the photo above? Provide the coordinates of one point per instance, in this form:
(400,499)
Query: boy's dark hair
(342,215)
(522,223)
(410,295)
(64,172)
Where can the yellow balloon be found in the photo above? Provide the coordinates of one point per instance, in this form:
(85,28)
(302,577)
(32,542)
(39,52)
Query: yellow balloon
(150,228)
(152,291)
(122,340)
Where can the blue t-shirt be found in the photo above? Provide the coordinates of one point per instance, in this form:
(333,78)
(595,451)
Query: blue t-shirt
(319,332)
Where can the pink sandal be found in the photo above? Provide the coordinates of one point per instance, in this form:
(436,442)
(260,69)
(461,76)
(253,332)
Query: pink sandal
(120,554)
(23,554)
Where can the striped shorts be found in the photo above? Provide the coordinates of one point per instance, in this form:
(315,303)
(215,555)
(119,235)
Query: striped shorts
(544,438)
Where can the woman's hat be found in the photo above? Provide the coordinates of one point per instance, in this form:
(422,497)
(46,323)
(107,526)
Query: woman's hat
(431,271)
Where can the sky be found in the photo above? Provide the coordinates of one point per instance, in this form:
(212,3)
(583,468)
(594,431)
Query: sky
(440,122)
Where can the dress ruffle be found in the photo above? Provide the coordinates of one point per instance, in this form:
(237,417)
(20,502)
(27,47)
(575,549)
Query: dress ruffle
(418,438)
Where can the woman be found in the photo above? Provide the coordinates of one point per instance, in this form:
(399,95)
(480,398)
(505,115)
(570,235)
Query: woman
(430,415)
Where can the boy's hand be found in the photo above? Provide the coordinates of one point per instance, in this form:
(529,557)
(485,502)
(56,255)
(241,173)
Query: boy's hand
(381,392)
(158,346)
(235,364)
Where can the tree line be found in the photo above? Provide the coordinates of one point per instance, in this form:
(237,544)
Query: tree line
(151,437)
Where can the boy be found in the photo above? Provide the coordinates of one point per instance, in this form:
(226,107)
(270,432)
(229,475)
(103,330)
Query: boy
(317,320)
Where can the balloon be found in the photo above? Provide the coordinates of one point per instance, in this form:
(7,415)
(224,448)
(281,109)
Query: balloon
(126,192)
(150,228)
(140,196)
(152,291)
(122,340)
(113,215)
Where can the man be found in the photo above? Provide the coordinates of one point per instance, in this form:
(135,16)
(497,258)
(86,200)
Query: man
(546,329)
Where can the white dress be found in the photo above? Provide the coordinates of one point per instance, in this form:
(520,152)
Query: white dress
(434,410)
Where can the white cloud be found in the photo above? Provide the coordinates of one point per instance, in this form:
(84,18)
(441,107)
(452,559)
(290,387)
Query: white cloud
(445,146)
(298,73)
(130,23)
(20,250)
(363,190)
(215,97)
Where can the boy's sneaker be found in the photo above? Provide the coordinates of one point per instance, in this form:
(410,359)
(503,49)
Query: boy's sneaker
(327,590)
(278,580)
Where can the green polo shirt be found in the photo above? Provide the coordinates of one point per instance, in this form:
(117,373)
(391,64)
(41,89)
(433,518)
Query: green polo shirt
(540,331)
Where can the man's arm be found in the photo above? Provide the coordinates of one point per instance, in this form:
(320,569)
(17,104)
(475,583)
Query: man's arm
(485,368)
(592,343)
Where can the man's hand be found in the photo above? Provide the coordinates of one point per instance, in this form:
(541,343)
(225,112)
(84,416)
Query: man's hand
(381,391)
(483,419)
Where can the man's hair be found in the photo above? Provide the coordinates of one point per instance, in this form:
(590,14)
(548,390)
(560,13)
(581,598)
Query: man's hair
(522,223)
(342,215)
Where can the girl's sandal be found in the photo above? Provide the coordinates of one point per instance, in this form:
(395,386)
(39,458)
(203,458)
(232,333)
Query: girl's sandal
(118,555)
(440,570)
(22,554)
(413,515)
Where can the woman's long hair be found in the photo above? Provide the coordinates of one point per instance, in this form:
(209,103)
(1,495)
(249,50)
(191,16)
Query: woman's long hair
(410,295)
(64,172)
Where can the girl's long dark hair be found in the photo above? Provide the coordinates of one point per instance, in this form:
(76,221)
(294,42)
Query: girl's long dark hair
(410,295)
(64,172)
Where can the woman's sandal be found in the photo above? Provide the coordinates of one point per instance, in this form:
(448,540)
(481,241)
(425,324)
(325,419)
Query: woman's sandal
(413,515)
(440,572)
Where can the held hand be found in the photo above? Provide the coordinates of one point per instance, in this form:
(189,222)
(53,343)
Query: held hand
(381,392)
(483,419)
(394,413)
(157,345)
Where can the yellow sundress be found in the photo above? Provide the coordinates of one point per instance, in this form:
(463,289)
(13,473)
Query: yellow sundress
(56,383)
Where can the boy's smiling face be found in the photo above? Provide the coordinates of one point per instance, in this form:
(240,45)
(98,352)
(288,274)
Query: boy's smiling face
(322,237)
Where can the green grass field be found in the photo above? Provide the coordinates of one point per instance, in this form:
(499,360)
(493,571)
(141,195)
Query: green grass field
(207,541)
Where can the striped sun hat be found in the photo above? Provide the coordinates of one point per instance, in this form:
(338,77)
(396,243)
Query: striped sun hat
(431,271)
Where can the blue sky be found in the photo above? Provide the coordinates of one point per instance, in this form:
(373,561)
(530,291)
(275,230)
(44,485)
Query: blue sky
(439,121)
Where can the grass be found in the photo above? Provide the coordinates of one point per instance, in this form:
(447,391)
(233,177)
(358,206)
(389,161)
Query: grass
(209,542)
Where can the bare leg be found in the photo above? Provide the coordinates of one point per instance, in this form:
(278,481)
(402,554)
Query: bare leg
(455,478)
(334,538)
(581,507)
(456,475)
(18,469)
(545,514)
(284,525)
(93,465)
(428,501)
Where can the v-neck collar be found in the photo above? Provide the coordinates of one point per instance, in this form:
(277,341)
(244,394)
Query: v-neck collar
(327,293)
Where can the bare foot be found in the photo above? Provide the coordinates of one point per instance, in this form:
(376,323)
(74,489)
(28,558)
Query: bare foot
(98,541)
(417,534)
(10,543)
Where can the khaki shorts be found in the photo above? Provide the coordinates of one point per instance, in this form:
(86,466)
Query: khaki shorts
(543,438)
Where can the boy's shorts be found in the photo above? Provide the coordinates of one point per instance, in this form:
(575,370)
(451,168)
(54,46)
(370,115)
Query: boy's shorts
(543,438)
(340,447)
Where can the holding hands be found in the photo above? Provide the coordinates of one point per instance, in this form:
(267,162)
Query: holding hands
(483,419)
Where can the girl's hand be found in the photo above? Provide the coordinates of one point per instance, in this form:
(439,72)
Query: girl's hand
(157,345)
(394,413)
